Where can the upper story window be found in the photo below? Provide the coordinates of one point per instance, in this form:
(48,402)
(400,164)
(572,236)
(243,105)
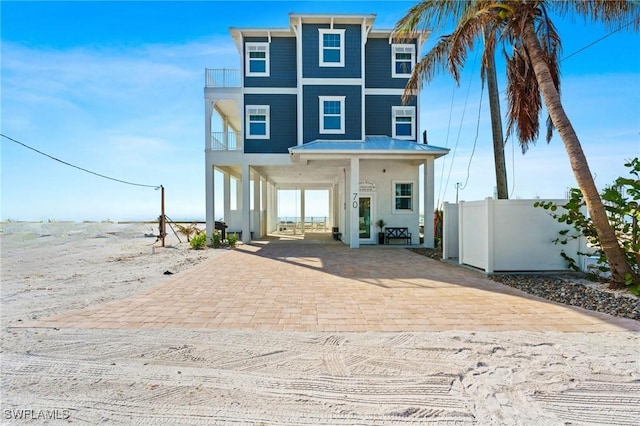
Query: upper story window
(402,60)
(257,122)
(257,59)
(403,194)
(331,47)
(403,122)
(332,114)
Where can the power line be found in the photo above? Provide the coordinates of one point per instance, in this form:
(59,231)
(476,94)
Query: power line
(598,40)
(77,167)
(475,141)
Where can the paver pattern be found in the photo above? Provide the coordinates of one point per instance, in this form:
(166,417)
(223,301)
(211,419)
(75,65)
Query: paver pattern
(331,288)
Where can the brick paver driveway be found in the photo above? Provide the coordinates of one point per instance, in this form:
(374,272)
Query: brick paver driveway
(330,287)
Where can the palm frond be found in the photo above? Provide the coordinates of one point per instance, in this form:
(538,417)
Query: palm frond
(524,100)
(612,13)
(431,15)
(428,66)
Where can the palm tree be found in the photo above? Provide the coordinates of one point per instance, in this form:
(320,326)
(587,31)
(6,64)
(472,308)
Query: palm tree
(531,46)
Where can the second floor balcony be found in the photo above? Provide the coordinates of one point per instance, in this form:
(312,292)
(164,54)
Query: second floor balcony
(222,77)
(224,141)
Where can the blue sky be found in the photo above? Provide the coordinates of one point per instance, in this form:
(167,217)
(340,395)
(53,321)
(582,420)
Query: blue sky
(117,88)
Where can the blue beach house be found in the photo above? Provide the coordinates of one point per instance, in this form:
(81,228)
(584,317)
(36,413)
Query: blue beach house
(317,106)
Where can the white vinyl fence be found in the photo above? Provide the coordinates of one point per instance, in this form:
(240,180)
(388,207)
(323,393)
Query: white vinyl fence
(506,235)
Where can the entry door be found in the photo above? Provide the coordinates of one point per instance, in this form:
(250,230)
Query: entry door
(366,221)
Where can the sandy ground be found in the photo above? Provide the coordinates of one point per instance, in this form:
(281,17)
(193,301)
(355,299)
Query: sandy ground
(223,376)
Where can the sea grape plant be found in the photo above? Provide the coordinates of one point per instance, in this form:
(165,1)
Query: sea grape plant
(622,200)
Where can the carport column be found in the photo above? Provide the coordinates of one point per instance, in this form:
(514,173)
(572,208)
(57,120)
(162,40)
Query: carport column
(354,207)
(264,212)
(256,205)
(227,197)
(302,213)
(427,201)
(246,204)
(210,198)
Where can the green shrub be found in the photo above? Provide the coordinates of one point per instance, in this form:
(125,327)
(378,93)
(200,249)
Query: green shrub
(232,239)
(216,239)
(199,241)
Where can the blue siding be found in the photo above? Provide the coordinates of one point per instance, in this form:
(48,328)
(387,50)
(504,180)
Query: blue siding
(282,63)
(378,65)
(378,118)
(353,111)
(283,129)
(310,53)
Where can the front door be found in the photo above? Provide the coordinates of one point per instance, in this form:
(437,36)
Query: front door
(365,221)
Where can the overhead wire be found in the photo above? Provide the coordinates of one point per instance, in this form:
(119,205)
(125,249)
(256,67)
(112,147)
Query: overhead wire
(502,92)
(78,167)
(475,141)
(464,109)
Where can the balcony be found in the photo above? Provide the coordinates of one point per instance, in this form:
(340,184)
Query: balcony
(222,77)
(224,141)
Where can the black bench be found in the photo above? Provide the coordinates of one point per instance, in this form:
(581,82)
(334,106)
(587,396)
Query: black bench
(397,234)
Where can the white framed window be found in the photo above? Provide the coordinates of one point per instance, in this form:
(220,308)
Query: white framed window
(256,59)
(403,196)
(403,56)
(332,114)
(257,120)
(331,47)
(403,122)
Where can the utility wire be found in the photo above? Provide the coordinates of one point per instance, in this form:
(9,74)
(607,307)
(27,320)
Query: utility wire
(77,167)
(598,40)
(475,141)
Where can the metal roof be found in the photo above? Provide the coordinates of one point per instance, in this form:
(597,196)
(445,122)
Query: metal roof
(370,145)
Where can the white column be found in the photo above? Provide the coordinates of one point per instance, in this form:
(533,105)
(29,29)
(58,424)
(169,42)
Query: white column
(264,212)
(354,207)
(257,221)
(246,204)
(302,212)
(208,111)
(210,197)
(427,201)
(227,197)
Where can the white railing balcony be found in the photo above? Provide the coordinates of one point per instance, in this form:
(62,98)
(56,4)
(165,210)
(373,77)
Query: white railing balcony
(224,141)
(222,77)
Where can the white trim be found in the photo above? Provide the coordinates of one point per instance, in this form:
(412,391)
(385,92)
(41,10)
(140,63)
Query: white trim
(383,92)
(333,81)
(413,196)
(251,47)
(270,91)
(403,111)
(402,48)
(321,47)
(321,101)
(300,116)
(258,110)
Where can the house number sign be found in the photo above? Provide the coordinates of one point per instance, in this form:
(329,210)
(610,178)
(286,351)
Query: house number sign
(367,186)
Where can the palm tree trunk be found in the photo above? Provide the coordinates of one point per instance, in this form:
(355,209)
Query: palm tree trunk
(496,129)
(608,241)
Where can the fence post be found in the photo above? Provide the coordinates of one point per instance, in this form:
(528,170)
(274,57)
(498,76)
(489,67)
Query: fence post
(489,207)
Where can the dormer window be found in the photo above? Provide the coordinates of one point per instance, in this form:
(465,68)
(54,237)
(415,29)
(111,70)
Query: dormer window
(257,59)
(402,60)
(331,47)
